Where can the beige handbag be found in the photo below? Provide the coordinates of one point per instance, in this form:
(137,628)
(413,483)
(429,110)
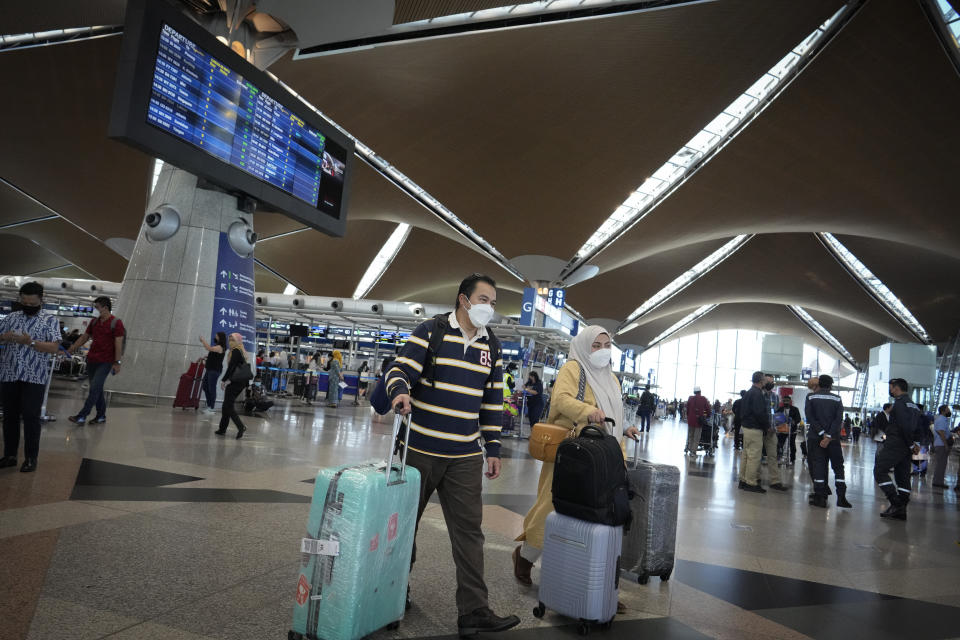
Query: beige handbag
(545,437)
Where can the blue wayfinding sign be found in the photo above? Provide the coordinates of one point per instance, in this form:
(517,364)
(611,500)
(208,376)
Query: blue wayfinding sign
(527,308)
(556,297)
(233,298)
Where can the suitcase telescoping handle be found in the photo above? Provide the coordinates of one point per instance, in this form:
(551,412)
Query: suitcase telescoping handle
(398,423)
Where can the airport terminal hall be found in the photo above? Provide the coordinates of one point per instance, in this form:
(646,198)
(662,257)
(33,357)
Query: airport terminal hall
(483,319)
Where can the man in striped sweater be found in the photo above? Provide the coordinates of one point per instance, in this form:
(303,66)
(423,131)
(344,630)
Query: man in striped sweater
(455,396)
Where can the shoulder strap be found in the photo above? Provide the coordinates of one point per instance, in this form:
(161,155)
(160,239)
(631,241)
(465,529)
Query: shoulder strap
(582,386)
(494,346)
(437,332)
(113,323)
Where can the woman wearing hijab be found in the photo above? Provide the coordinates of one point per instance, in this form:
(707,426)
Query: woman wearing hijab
(333,381)
(590,351)
(238,356)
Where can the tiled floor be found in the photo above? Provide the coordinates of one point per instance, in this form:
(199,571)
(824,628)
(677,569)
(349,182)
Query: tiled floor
(151,527)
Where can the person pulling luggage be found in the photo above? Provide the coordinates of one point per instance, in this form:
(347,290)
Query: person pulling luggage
(902,440)
(573,408)
(453,387)
(824,411)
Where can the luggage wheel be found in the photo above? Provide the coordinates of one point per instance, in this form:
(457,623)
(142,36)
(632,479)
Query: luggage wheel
(665,576)
(539,610)
(606,625)
(643,579)
(584,628)
(393,626)
(293,635)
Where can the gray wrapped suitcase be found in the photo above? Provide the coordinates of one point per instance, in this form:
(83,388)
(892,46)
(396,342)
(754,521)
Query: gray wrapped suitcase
(580,575)
(650,545)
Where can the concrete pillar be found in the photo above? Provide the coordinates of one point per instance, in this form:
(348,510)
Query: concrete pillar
(170,291)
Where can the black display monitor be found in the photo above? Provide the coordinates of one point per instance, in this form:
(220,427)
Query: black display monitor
(299,330)
(186,98)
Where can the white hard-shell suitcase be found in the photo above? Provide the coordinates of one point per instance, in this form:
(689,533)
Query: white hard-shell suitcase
(580,575)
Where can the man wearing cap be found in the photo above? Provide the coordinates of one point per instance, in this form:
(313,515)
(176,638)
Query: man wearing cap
(697,407)
(902,441)
(824,411)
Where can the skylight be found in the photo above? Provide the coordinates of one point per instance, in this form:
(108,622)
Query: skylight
(382,260)
(701,148)
(290,289)
(875,286)
(684,280)
(951,18)
(684,322)
(825,335)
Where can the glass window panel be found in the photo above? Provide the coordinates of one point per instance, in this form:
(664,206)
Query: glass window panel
(686,379)
(810,357)
(722,124)
(725,384)
(688,350)
(828,364)
(748,349)
(784,66)
(742,106)
(649,359)
(763,86)
(705,378)
(667,379)
(727,349)
(704,140)
(668,352)
(707,350)
(685,157)
(955,29)
(742,379)
(668,173)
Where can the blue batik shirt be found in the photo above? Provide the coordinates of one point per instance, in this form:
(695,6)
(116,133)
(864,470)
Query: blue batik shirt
(20,362)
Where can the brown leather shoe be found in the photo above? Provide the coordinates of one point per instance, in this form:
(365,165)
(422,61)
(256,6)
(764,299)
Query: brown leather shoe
(522,568)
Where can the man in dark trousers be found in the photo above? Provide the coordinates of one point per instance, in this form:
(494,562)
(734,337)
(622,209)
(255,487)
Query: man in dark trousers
(795,421)
(697,407)
(737,423)
(901,442)
(455,397)
(648,405)
(824,411)
(103,359)
(755,417)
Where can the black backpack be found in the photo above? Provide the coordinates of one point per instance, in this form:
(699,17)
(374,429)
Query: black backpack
(590,479)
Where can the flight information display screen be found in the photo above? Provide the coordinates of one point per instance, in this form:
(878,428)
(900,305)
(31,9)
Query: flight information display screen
(202,101)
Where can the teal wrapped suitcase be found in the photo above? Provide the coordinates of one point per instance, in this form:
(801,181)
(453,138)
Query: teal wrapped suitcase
(355,560)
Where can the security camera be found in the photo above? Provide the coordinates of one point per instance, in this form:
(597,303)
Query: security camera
(376,308)
(417,310)
(298,303)
(242,238)
(162,223)
(260,300)
(337,305)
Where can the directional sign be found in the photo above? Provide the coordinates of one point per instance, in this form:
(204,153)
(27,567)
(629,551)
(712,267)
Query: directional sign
(233,299)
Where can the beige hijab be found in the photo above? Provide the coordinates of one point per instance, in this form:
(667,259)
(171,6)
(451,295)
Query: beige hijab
(606,388)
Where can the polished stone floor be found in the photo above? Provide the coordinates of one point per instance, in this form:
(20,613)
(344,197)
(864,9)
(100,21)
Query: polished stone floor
(151,527)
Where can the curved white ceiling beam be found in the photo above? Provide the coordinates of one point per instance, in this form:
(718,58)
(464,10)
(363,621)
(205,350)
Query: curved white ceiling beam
(874,286)
(710,140)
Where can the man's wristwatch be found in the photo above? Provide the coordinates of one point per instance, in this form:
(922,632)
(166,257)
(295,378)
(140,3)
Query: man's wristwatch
(33,344)
(118,362)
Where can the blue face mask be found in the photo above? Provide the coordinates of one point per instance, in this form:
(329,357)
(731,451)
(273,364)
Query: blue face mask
(256,384)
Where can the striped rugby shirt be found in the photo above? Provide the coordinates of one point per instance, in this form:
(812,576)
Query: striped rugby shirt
(462,404)
(19,362)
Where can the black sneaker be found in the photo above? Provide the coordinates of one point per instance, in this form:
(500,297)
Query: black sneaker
(897,512)
(8,461)
(780,487)
(77,420)
(483,620)
(99,420)
(754,488)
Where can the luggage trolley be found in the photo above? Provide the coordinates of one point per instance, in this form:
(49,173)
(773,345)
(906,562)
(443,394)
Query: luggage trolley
(710,436)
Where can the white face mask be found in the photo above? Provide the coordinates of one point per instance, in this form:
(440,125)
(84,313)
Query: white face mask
(96,313)
(600,357)
(480,314)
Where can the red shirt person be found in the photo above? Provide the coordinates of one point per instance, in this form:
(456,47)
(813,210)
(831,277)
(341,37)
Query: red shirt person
(697,406)
(104,358)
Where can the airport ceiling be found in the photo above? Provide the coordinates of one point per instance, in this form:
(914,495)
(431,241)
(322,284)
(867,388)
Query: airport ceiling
(534,136)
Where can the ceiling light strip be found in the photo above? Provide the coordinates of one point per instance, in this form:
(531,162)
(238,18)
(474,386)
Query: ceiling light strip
(22,223)
(412,189)
(875,287)
(709,141)
(686,321)
(57,36)
(381,262)
(690,276)
(824,335)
